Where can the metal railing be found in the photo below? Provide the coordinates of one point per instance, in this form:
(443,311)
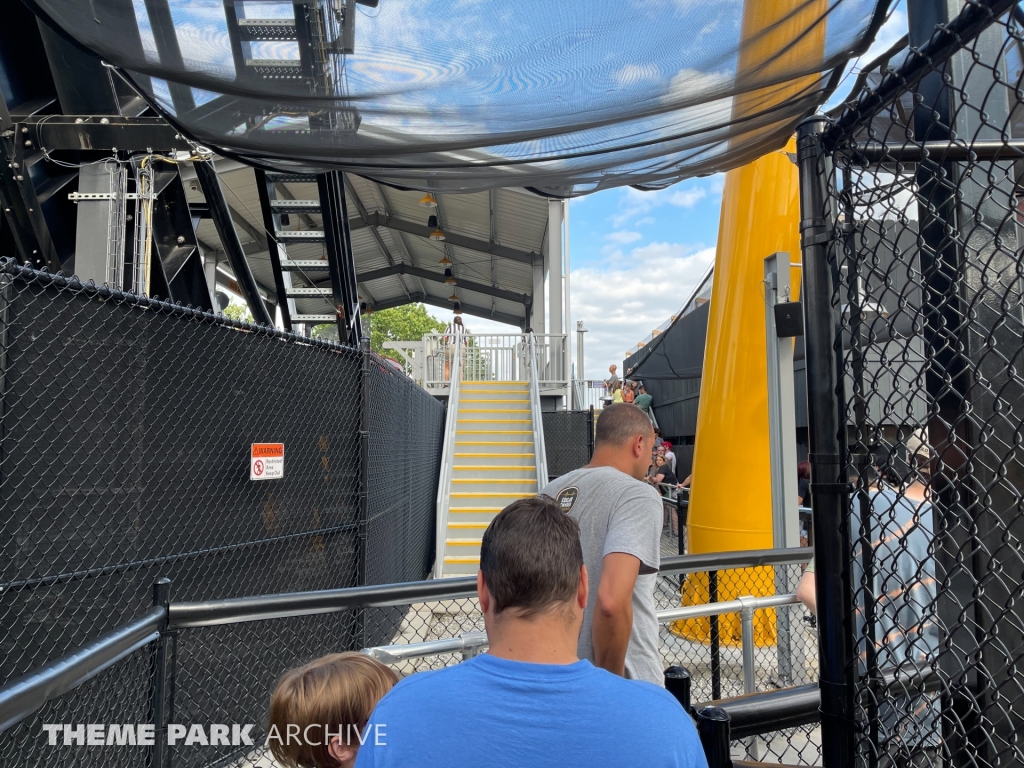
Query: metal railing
(20,698)
(588,393)
(471,643)
(540,453)
(494,357)
(448,453)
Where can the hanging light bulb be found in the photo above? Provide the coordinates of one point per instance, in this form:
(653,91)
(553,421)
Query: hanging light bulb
(458,308)
(428,200)
(454,297)
(437,234)
(445,261)
(449,277)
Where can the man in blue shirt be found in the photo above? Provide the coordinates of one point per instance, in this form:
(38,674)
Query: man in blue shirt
(530,701)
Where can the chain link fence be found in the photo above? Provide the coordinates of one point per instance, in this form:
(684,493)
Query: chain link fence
(568,440)
(716,665)
(921,176)
(124,457)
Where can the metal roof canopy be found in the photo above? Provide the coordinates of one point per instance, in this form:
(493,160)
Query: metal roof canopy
(493,239)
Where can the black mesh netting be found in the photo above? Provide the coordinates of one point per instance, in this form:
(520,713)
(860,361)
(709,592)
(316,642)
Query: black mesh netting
(124,458)
(922,178)
(458,96)
(568,440)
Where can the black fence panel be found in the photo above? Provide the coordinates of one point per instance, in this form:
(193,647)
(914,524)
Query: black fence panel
(568,440)
(125,457)
(921,225)
(406,432)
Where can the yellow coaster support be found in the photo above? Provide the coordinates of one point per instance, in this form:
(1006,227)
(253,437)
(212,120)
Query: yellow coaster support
(730,499)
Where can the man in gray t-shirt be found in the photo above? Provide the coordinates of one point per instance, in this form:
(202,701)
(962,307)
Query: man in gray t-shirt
(620,530)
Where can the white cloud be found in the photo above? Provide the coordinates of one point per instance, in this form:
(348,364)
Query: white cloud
(632,74)
(644,221)
(623,303)
(634,203)
(687,198)
(623,236)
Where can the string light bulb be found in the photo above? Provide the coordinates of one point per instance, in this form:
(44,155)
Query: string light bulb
(449,277)
(428,200)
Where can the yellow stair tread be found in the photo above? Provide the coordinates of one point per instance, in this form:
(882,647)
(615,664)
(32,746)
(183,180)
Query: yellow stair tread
(492,495)
(470,467)
(494,421)
(498,400)
(494,383)
(467,525)
(494,442)
(462,560)
(476,510)
(492,455)
(492,410)
(504,480)
(463,542)
(493,432)
(465,391)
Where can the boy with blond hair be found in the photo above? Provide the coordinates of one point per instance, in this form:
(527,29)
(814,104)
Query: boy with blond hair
(319,711)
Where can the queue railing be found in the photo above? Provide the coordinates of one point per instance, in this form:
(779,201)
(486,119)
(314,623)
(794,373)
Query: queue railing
(167,661)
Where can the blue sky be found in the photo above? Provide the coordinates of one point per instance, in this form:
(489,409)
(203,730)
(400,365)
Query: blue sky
(636,256)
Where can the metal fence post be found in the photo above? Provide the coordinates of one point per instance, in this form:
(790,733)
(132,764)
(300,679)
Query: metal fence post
(364,482)
(827,436)
(749,680)
(590,432)
(713,729)
(678,683)
(716,650)
(163,682)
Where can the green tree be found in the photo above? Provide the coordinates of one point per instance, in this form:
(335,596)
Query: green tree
(409,322)
(238,312)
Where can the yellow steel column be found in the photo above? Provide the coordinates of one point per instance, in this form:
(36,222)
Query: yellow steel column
(730,500)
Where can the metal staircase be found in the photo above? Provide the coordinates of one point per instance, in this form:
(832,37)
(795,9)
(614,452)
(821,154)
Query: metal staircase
(494,454)
(326,283)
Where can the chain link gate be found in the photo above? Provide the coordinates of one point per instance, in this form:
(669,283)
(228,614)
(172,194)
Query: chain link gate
(914,302)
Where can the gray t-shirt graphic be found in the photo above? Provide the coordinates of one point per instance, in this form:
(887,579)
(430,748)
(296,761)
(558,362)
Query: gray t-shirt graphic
(618,514)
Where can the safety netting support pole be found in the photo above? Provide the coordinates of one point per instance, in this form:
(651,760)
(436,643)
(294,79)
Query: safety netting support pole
(829,486)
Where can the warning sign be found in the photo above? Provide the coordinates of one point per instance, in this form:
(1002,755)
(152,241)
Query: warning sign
(266,461)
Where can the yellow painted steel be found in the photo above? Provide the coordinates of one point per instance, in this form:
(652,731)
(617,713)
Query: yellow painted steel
(730,499)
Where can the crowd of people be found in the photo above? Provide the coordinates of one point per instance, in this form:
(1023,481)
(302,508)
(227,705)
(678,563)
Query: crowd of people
(573,673)
(628,391)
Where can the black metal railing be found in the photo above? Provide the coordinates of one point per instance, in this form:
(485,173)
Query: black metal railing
(159,633)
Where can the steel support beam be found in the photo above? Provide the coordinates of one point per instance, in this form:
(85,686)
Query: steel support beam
(373,230)
(214,194)
(438,277)
(462,241)
(469,309)
(341,263)
(265,189)
(90,132)
(166,38)
(828,451)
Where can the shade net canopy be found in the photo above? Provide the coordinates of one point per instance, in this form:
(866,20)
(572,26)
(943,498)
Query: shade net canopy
(456,95)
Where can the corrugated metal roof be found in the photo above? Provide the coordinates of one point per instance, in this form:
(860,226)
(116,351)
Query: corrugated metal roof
(495,284)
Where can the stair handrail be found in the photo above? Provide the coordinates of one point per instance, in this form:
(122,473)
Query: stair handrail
(540,455)
(448,452)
